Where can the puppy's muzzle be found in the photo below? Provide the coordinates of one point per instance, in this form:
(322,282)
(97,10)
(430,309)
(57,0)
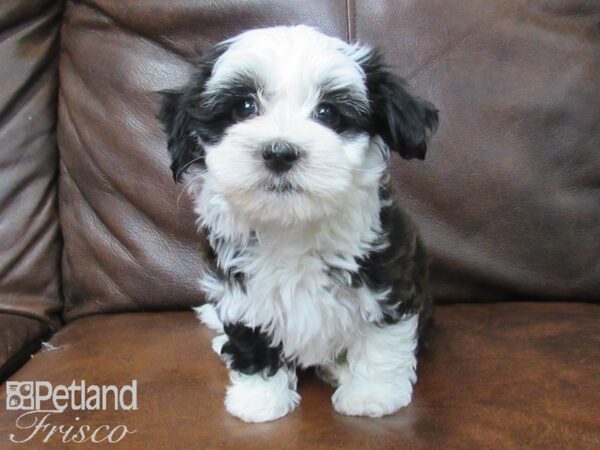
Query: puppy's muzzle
(280,156)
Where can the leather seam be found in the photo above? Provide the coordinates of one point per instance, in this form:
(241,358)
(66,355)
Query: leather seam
(350,20)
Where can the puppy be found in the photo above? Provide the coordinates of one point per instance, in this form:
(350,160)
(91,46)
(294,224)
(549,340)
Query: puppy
(283,136)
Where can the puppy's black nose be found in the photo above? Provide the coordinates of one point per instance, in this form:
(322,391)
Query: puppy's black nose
(280,156)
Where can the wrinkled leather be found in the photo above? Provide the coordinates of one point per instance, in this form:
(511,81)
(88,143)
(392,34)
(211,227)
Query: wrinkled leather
(494,376)
(507,199)
(29,230)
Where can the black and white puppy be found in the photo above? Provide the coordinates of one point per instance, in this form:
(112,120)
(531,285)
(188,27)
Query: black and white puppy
(284,136)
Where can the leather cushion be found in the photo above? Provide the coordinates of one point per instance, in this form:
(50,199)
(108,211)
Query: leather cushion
(30,241)
(509,375)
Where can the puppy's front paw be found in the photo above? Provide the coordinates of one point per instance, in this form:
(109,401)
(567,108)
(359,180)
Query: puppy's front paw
(374,399)
(254,398)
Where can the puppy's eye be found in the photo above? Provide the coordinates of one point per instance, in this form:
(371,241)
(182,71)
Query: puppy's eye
(326,113)
(245,108)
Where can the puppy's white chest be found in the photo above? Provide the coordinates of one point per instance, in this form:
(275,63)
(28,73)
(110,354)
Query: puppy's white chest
(292,296)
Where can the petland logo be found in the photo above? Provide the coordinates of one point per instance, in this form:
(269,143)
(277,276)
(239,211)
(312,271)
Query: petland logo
(43,402)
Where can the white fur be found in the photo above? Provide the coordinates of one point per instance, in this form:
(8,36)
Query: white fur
(260,398)
(208,316)
(380,368)
(288,292)
(292,64)
(218,342)
(285,242)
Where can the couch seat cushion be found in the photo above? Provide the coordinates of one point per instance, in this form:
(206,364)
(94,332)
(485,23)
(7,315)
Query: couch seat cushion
(494,376)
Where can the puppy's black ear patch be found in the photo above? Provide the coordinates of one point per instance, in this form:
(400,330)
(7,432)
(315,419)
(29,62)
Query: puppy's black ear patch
(403,121)
(183,146)
(179,115)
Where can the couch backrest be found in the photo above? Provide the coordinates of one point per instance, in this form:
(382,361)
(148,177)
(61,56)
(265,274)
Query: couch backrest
(507,199)
(30,243)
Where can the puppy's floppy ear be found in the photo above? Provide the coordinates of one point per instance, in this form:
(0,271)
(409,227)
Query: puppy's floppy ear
(178,113)
(403,121)
(183,146)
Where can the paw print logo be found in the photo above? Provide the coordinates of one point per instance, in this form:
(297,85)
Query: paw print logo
(19,395)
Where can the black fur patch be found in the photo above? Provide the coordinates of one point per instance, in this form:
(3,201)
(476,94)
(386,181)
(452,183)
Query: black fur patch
(218,104)
(185,126)
(402,120)
(231,275)
(250,350)
(400,267)
(351,109)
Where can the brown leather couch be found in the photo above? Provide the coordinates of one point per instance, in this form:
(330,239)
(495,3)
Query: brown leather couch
(99,254)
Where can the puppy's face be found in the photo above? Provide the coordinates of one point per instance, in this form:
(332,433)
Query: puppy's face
(284,122)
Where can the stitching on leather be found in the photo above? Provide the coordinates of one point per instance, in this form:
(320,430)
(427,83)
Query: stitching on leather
(350,20)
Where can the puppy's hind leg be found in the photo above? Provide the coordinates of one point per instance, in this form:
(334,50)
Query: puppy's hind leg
(380,370)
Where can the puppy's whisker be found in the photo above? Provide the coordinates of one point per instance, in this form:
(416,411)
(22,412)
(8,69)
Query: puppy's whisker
(186,165)
(186,187)
(352,169)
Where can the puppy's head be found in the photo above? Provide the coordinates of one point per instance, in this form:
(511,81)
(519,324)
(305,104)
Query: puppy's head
(285,123)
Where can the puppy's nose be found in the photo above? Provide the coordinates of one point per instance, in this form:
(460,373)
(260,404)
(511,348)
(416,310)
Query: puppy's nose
(280,156)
